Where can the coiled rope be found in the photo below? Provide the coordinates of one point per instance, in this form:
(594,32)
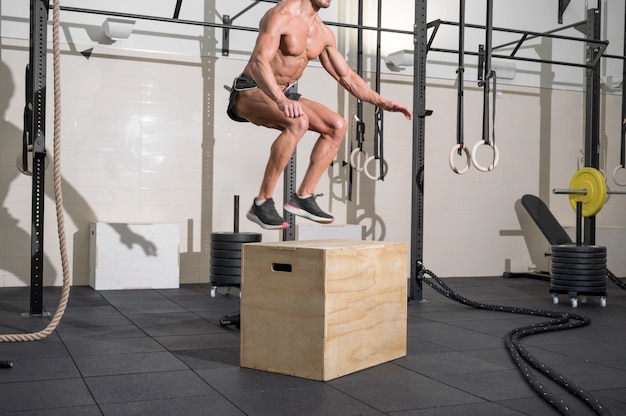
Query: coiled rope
(58,196)
(522,358)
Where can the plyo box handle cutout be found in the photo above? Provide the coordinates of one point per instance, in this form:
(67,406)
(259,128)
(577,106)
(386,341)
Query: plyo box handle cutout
(281,267)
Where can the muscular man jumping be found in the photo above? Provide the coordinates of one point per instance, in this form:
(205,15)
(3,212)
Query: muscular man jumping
(290,35)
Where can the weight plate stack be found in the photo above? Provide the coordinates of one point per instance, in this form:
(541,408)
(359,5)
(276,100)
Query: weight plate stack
(225,268)
(578,269)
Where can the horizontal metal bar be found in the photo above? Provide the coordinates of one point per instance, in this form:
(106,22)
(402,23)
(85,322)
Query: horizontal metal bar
(583,192)
(218,25)
(570,191)
(514,58)
(549,32)
(536,34)
(156,18)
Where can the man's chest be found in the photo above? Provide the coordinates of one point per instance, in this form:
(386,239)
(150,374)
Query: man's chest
(302,39)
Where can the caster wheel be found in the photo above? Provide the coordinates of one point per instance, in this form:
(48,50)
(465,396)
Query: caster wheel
(213,291)
(602,301)
(555,299)
(574,302)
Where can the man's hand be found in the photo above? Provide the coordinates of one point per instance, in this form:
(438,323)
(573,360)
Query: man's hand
(398,108)
(291,108)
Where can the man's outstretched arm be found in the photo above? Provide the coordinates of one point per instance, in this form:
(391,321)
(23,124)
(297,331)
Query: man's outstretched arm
(338,68)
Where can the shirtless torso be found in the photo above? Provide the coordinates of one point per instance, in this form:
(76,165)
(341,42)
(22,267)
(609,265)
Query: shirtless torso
(291,34)
(301,38)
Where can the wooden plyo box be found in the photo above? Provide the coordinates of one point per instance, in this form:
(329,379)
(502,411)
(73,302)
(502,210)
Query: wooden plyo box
(321,309)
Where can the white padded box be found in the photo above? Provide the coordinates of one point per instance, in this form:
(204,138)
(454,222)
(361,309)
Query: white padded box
(134,256)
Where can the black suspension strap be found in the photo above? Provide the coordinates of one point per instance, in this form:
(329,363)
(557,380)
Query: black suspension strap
(622,160)
(378,116)
(358,117)
(485,78)
(523,359)
(460,147)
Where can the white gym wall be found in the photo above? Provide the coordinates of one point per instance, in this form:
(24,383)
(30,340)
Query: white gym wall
(146,140)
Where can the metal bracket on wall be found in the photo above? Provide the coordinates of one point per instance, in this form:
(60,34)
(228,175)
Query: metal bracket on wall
(226,35)
(562,7)
(179,3)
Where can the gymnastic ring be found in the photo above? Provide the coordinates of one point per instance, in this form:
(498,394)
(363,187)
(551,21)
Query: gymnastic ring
(468,159)
(615,175)
(382,174)
(496,156)
(353,155)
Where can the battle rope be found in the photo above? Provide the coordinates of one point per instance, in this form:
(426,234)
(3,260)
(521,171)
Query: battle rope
(620,283)
(34,336)
(519,354)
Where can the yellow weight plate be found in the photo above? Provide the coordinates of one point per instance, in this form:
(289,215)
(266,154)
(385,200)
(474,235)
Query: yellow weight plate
(594,183)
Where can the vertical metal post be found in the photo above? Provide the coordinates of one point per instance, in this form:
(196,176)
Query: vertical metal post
(289,188)
(236,215)
(592,110)
(420,41)
(579,222)
(37,131)
(622,153)
(486,79)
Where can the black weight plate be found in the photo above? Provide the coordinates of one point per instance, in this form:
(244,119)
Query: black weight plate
(221,245)
(574,278)
(567,266)
(225,237)
(226,262)
(578,275)
(577,249)
(570,272)
(226,271)
(577,270)
(578,289)
(226,254)
(221,280)
(580,292)
(561,283)
(579,255)
(579,262)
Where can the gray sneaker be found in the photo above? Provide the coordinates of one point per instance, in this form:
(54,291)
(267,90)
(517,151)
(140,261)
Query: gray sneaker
(266,216)
(308,208)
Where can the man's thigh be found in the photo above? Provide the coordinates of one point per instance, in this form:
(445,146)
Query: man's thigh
(257,107)
(322,119)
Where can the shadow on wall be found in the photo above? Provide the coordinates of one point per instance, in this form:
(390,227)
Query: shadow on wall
(349,184)
(79,210)
(10,144)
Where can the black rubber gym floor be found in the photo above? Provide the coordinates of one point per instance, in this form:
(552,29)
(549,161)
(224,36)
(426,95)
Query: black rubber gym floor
(163,352)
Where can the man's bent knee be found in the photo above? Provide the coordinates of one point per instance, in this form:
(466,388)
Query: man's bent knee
(298,126)
(339,129)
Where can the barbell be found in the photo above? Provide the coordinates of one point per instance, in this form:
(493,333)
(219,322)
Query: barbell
(588,186)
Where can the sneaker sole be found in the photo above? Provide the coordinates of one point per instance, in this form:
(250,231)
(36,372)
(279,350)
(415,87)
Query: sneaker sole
(305,214)
(258,221)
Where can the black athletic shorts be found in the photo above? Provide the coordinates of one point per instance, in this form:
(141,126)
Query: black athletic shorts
(243,83)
